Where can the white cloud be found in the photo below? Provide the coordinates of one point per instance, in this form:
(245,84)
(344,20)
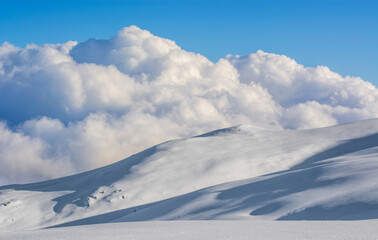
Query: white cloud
(308,115)
(75,106)
(26,158)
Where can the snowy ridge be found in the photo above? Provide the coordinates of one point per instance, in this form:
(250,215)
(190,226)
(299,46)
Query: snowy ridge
(242,172)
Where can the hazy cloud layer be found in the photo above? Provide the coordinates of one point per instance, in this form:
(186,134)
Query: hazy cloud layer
(75,106)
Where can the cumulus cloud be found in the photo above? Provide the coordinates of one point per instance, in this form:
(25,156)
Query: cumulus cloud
(74,106)
(28,157)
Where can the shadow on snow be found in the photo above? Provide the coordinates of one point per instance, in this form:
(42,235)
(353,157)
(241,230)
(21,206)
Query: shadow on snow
(261,195)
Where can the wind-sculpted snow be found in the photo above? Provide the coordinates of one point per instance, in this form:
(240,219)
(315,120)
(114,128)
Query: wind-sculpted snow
(243,172)
(71,107)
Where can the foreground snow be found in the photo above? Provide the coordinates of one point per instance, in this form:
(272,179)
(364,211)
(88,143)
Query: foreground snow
(243,173)
(208,230)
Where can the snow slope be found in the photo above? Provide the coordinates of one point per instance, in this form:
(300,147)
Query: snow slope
(242,172)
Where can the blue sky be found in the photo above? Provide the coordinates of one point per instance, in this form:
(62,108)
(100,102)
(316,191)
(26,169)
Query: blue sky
(340,34)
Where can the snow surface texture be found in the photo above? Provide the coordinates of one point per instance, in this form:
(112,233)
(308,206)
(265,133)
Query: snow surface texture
(243,173)
(72,107)
(207,230)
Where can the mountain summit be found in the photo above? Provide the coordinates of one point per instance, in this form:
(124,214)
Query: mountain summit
(243,172)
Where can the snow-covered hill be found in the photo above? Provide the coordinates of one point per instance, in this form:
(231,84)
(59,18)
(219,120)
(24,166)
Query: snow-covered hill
(242,172)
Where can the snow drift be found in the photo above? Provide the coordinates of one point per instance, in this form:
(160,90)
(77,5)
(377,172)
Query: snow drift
(243,172)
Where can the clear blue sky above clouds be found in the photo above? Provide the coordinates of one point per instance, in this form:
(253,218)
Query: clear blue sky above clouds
(340,34)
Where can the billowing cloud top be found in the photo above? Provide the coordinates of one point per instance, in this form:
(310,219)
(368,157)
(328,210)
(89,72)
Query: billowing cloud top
(74,106)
